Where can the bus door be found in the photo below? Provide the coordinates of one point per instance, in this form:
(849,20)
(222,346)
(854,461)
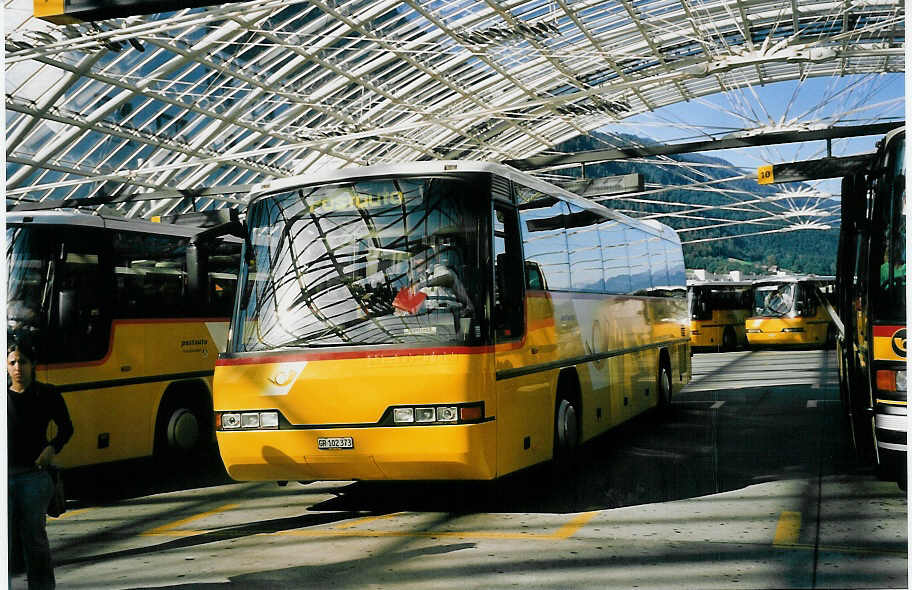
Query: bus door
(523,437)
(80,310)
(76,342)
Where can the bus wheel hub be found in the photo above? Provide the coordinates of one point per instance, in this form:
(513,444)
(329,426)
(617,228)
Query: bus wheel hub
(183,430)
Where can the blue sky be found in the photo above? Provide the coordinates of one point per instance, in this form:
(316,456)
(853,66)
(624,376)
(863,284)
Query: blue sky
(848,100)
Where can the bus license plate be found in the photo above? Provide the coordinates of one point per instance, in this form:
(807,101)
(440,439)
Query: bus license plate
(336,442)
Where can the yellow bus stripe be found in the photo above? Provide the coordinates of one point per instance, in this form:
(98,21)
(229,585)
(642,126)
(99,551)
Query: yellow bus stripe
(579,360)
(891,402)
(169,529)
(788,528)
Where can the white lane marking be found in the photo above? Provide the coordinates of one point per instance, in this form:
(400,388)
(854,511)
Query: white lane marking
(716,405)
(812,403)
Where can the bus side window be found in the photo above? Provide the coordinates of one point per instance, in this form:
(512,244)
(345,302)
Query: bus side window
(535,281)
(81,319)
(150,276)
(508,280)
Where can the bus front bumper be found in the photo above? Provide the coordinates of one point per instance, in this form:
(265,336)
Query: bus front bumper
(776,338)
(459,452)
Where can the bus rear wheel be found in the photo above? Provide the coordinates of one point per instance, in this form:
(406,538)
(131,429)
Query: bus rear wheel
(182,428)
(663,383)
(566,431)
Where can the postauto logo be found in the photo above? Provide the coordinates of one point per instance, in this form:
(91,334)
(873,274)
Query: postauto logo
(898,342)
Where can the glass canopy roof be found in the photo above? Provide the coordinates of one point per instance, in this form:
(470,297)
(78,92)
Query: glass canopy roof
(143,114)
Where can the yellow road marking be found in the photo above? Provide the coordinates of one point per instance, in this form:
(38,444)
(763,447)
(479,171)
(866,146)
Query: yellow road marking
(72,512)
(786,532)
(365,520)
(169,529)
(565,532)
(788,528)
(578,521)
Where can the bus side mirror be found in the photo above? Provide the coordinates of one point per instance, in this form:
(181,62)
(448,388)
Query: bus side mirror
(67,308)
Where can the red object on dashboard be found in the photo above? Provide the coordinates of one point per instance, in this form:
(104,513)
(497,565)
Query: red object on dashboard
(409,300)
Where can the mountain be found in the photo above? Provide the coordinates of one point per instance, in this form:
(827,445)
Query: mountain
(805,251)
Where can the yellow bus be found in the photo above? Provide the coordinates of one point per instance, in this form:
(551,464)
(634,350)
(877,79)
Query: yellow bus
(790,311)
(718,310)
(125,329)
(441,320)
(871,295)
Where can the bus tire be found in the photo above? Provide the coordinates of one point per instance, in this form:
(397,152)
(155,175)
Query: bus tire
(566,420)
(831,335)
(183,425)
(729,339)
(864,438)
(663,381)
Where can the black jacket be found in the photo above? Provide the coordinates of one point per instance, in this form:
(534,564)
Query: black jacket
(28,415)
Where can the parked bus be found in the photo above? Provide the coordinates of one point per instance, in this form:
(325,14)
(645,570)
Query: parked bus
(871,300)
(718,310)
(441,320)
(790,311)
(125,329)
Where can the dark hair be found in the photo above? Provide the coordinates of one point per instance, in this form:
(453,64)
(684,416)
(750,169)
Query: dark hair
(22,343)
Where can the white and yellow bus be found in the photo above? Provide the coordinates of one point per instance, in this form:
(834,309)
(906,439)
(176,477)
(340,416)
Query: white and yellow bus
(441,320)
(790,311)
(872,305)
(718,310)
(124,328)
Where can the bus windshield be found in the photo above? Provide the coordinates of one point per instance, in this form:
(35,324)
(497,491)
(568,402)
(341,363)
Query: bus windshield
(774,300)
(28,260)
(888,295)
(378,261)
(704,300)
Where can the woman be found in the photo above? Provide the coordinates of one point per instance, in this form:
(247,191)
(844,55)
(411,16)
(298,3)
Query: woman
(31,406)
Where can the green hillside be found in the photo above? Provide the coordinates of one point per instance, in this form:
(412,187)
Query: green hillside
(796,251)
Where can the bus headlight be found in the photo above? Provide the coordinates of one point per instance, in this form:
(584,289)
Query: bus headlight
(425,415)
(230,421)
(447,414)
(900,380)
(247,420)
(403,415)
(430,415)
(753,331)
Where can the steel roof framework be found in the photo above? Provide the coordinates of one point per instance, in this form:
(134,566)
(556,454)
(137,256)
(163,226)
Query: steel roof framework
(243,93)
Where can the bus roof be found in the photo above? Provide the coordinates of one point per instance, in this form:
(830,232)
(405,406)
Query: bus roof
(889,136)
(79,218)
(455,167)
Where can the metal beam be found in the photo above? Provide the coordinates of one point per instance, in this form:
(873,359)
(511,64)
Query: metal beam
(215,192)
(620,153)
